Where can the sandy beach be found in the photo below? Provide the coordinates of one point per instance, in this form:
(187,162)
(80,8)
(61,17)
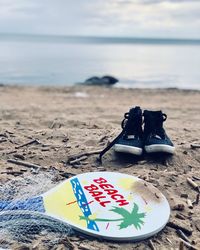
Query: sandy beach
(58,123)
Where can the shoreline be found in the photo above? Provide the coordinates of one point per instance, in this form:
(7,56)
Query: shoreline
(63,86)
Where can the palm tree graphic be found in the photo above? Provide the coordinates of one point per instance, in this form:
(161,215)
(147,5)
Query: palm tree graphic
(134,218)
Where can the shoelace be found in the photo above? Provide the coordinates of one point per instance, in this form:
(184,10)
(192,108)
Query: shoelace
(129,127)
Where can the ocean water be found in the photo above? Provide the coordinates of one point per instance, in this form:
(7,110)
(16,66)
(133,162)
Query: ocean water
(143,63)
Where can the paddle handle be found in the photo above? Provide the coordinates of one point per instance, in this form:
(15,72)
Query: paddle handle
(32,204)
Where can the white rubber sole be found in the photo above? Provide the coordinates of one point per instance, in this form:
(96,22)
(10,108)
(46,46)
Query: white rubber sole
(160,148)
(127,149)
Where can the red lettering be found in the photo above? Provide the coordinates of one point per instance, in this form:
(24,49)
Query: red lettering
(104,186)
(122,202)
(111,191)
(103,203)
(95,193)
(114,196)
(99,198)
(91,187)
(100,180)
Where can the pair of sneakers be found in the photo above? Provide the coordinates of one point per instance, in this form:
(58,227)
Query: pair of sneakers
(134,139)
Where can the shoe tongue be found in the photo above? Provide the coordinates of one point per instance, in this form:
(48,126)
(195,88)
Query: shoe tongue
(154,117)
(154,123)
(134,123)
(153,114)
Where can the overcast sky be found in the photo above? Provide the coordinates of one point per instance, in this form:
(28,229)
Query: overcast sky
(143,18)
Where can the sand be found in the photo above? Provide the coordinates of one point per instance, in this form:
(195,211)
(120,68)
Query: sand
(73,120)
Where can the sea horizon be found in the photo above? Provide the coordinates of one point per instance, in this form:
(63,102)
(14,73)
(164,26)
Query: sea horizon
(99,39)
(34,59)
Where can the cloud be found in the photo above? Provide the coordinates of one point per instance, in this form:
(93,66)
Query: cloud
(166,18)
(179,18)
(10,8)
(45,16)
(154,1)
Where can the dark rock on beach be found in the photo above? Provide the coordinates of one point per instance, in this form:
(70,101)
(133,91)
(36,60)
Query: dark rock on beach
(105,80)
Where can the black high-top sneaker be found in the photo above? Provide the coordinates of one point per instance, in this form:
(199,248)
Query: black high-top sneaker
(155,137)
(130,139)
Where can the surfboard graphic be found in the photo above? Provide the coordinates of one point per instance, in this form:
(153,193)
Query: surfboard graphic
(83,203)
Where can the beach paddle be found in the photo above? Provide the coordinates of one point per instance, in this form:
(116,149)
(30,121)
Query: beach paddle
(107,205)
